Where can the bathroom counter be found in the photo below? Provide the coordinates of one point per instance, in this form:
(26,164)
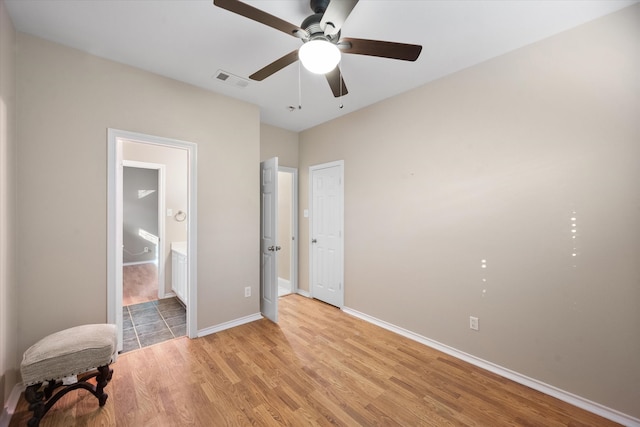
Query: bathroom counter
(179,247)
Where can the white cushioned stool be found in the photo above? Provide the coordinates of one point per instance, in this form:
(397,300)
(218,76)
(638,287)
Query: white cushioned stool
(58,358)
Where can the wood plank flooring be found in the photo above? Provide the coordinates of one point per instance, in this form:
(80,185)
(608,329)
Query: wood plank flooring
(317,367)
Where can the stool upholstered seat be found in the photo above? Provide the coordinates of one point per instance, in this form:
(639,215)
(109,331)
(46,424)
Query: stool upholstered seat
(57,360)
(69,352)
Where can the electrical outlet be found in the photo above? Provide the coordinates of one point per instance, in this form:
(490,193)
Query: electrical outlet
(247,291)
(146,249)
(473,323)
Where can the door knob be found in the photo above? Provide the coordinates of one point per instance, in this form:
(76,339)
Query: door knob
(314,241)
(278,248)
(271,248)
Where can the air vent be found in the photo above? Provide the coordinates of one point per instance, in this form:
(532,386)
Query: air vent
(231,79)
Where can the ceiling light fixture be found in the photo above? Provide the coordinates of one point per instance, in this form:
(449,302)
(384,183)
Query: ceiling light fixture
(319,56)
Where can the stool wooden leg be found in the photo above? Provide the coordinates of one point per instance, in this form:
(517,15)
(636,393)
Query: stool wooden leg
(36,404)
(103,378)
(41,401)
(49,389)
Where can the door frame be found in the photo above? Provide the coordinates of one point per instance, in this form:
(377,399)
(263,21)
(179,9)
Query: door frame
(161,216)
(294,225)
(340,164)
(115,138)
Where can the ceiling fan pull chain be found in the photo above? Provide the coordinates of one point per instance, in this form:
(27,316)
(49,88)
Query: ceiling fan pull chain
(299,87)
(341,106)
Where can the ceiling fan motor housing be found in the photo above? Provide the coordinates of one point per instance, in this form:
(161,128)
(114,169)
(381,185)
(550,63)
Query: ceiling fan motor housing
(312,26)
(319,6)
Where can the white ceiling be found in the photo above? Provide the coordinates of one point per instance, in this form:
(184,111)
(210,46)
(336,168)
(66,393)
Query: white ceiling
(189,40)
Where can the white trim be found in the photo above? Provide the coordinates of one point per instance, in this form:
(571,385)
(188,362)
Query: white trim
(114,233)
(284,283)
(115,138)
(228,325)
(12,403)
(340,164)
(303,293)
(540,386)
(126,264)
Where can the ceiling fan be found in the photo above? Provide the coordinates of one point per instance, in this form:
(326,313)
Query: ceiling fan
(322,45)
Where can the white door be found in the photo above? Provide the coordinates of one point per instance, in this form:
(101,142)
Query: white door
(327,218)
(268,239)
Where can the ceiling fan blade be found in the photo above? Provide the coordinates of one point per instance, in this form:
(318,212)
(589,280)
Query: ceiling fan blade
(275,66)
(402,51)
(335,15)
(336,82)
(258,15)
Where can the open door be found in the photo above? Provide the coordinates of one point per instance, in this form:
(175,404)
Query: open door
(268,239)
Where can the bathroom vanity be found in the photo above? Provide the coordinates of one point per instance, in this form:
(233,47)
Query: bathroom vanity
(179,271)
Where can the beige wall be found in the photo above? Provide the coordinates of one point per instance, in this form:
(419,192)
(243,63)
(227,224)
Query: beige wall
(68,99)
(8,283)
(490,164)
(176,188)
(280,143)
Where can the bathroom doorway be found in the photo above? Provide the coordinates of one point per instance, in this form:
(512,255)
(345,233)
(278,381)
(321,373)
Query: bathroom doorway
(168,315)
(152,313)
(142,231)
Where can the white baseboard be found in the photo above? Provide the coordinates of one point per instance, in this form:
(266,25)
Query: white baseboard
(151,261)
(284,283)
(12,402)
(550,390)
(303,293)
(228,325)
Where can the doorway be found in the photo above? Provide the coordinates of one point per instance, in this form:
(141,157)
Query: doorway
(278,235)
(170,216)
(287,230)
(151,312)
(142,232)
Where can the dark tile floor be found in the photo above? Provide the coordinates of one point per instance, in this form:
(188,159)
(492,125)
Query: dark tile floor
(152,322)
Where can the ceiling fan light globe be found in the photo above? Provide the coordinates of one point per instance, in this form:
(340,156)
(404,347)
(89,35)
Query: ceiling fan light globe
(319,56)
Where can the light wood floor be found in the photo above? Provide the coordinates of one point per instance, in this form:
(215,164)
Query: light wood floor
(318,366)
(139,283)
